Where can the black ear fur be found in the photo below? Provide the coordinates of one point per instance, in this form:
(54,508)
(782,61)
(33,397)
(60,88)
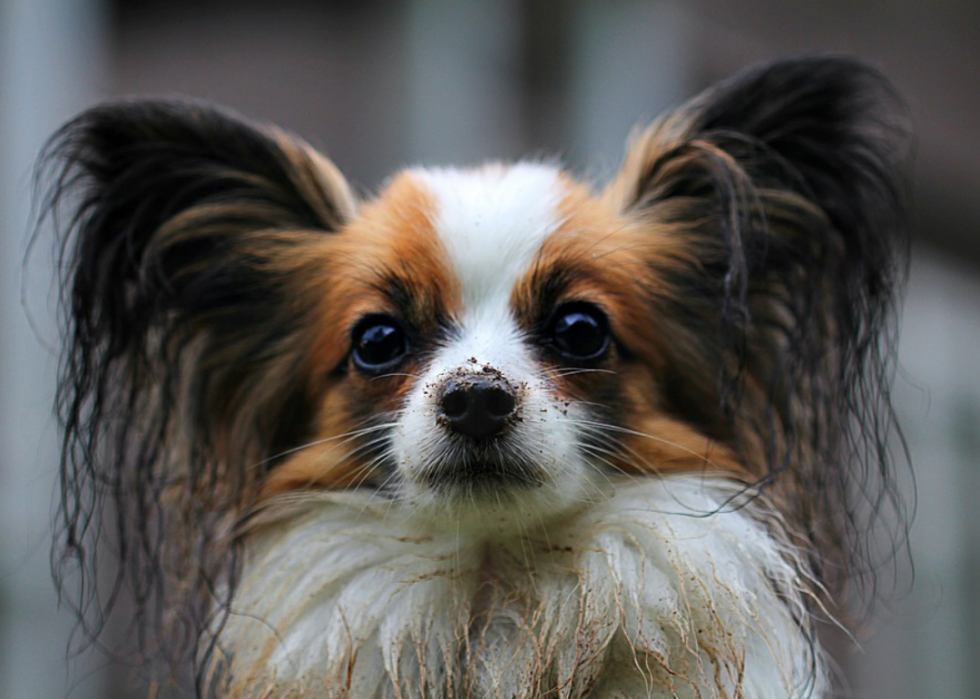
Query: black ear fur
(180,373)
(786,189)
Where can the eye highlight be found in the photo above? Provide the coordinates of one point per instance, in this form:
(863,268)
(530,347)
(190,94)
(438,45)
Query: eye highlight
(579,331)
(379,343)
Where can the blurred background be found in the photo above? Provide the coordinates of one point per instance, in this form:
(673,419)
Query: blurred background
(384,84)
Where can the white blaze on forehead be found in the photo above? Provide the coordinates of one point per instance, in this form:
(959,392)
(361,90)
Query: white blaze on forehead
(492,222)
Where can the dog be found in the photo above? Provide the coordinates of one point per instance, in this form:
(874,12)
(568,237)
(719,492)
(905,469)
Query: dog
(495,432)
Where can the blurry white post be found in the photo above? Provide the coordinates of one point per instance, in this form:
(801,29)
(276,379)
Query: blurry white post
(50,62)
(631,59)
(465,91)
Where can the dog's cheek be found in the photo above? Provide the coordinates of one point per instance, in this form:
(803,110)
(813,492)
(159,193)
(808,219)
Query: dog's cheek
(347,447)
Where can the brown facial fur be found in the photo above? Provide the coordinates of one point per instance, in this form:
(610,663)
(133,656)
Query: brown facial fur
(389,260)
(603,257)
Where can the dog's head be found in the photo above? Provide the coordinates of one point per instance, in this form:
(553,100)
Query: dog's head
(483,347)
(486,349)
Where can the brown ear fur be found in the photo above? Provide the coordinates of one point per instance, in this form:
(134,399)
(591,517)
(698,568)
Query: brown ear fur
(785,190)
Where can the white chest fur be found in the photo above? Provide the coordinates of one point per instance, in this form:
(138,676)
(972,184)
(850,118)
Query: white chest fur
(652,592)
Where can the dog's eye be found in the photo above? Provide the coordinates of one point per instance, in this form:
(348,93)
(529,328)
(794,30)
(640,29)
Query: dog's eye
(580,331)
(379,343)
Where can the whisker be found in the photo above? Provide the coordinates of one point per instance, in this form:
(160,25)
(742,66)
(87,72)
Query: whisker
(603,427)
(347,436)
(573,371)
(394,374)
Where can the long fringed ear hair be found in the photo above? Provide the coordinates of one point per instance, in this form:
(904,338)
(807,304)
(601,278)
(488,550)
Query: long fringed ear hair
(787,185)
(183,369)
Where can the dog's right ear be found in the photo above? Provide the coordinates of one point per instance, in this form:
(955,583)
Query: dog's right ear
(183,232)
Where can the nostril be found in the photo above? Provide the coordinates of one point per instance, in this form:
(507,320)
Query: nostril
(476,407)
(454,403)
(499,403)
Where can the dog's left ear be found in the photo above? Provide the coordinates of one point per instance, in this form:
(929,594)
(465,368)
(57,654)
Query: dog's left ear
(189,237)
(182,265)
(776,201)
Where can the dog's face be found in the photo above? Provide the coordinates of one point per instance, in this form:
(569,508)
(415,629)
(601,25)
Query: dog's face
(485,347)
(494,355)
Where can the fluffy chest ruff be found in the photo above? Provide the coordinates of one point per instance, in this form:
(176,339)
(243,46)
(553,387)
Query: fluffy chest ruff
(659,590)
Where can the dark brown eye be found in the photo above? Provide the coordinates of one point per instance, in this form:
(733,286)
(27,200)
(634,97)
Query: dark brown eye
(379,344)
(579,331)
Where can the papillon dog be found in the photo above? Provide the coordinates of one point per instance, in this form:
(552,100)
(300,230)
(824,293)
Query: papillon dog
(495,432)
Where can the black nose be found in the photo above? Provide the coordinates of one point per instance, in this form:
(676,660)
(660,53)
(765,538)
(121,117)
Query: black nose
(477,407)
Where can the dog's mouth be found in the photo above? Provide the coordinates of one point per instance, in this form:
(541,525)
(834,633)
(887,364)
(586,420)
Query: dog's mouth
(480,472)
